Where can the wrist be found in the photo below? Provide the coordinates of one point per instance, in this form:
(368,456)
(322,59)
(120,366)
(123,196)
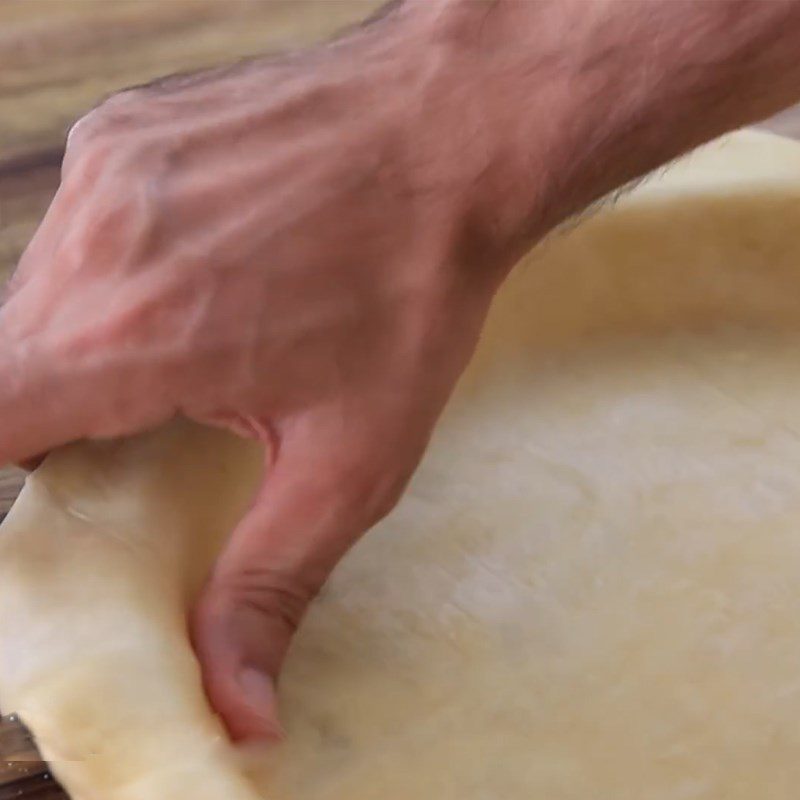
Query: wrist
(488,138)
(541,108)
(455,152)
(529,101)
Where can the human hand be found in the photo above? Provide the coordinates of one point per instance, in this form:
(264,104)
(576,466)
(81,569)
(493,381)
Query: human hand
(279,249)
(304,250)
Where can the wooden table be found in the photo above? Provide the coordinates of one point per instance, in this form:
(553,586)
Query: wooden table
(58,57)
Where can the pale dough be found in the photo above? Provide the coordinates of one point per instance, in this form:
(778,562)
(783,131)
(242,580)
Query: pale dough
(590,592)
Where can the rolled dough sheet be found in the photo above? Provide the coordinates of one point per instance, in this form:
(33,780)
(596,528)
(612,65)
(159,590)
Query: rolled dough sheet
(590,592)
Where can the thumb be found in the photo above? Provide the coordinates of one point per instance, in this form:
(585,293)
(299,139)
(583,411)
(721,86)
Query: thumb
(313,505)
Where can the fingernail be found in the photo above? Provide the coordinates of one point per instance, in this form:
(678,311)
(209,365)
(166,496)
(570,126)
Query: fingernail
(259,692)
(257,688)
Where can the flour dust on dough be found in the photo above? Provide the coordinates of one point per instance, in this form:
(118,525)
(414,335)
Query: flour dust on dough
(590,592)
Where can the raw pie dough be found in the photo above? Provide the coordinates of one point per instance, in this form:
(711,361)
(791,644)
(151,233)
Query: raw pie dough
(590,592)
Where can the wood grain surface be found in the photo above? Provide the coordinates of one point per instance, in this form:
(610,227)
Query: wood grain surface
(58,58)
(22,772)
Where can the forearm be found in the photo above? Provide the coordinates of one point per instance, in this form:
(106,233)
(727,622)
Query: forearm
(555,103)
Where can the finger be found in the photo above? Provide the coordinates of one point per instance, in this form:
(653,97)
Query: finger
(41,250)
(30,464)
(313,505)
(50,396)
(36,412)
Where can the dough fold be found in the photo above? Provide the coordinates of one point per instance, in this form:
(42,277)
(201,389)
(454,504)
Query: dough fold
(99,560)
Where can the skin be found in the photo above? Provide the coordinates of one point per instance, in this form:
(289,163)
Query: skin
(304,249)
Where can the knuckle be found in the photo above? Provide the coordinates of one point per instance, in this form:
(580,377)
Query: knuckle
(89,151)
(105,131)
(90,127)
(80,131)
(271,594)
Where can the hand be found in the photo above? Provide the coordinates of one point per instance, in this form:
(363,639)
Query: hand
(277,249)
(304,250)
